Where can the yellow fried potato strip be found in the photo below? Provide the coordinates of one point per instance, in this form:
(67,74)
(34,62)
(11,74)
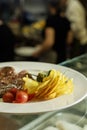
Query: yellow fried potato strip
(58,84)
(52,86)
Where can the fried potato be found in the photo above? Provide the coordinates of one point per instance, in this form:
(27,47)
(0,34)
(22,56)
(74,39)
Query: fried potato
(58,85)
(30,85)
(52,86)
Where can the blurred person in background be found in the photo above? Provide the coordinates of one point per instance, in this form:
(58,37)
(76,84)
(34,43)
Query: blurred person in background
(56,34)
(76,12)
(7,8)
(7,42)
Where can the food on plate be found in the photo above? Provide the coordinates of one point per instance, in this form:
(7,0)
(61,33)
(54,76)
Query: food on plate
(8,97)
(21,87)
(30,85)
(16,96)
(9,78)
(21,97)
(52,85)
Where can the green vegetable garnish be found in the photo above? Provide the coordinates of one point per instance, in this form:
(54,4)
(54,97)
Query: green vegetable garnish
(42,75)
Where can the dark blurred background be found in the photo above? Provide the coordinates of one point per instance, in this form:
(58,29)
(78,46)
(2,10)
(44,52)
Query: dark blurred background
(26,20)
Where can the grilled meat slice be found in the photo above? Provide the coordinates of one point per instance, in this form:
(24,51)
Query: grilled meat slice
(9,79)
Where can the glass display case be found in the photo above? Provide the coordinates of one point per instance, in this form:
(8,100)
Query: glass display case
(74,117)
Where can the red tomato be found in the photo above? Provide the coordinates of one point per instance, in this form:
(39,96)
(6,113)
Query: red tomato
(13,91)
(8,97)
(21,96)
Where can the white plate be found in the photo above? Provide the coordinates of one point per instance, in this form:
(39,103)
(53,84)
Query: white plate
(62,102)
(25,51)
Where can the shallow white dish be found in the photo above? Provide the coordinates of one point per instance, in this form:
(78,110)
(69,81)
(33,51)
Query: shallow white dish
(62,102)
(25,51)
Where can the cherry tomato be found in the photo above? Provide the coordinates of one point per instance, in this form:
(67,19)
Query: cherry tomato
(8,97)
(21,96)
(13,91)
